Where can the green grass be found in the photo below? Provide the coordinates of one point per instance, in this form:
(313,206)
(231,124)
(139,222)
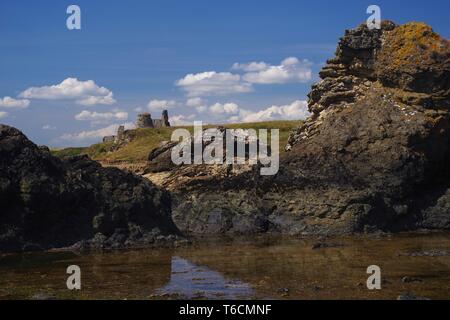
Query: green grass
(68,152)
(145,140)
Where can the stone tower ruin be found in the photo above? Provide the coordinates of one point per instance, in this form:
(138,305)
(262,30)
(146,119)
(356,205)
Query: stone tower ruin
(165,118)
(120,134)
(144,120)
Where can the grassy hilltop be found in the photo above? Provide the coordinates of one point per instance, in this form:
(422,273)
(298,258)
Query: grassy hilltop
(145,140)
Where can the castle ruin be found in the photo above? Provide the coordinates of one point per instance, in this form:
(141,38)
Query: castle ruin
(144,120)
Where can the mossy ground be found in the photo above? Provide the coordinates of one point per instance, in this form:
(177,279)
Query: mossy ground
(145,140)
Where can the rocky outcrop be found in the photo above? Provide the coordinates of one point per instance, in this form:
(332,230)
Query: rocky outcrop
(160,158)
(415,62)
(162,154)
(373,156)
(410,62)
(347,76)
(46,202)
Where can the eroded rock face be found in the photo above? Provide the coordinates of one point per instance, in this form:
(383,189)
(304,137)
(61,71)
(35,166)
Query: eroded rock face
(373,166)
(374,155)
(46,202)
(386,161)
(410,62)
(347,76)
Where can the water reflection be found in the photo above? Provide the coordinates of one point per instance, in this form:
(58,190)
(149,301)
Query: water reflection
(256,268)
(190,281)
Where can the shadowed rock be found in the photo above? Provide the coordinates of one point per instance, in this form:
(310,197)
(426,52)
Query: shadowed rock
(49,203)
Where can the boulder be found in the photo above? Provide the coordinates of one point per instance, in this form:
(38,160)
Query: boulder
(47,202)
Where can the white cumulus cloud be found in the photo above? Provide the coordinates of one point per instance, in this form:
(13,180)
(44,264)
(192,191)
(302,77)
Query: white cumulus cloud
(159,105)
(181,120)
(8,102)
(101,116)
(213,83)
(197,103)
(290,70)
(3,114)
(297,110)
(201,109)
(96,100)
(86,93)
(250,67)
(226,108)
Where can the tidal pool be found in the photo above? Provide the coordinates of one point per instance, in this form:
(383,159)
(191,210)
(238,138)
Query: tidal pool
(265,267)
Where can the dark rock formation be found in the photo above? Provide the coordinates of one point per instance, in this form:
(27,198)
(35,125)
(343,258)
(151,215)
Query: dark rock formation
(410,62)
(163,156)
(159,159)
(348,75)
(374,155)
(46,202)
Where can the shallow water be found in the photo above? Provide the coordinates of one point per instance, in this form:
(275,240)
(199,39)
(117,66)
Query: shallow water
(260,268)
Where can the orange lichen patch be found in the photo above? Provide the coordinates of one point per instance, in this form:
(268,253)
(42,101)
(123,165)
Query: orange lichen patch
(412,45)
(416,61)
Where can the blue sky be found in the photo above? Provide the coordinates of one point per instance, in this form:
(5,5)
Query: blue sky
(133,56)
